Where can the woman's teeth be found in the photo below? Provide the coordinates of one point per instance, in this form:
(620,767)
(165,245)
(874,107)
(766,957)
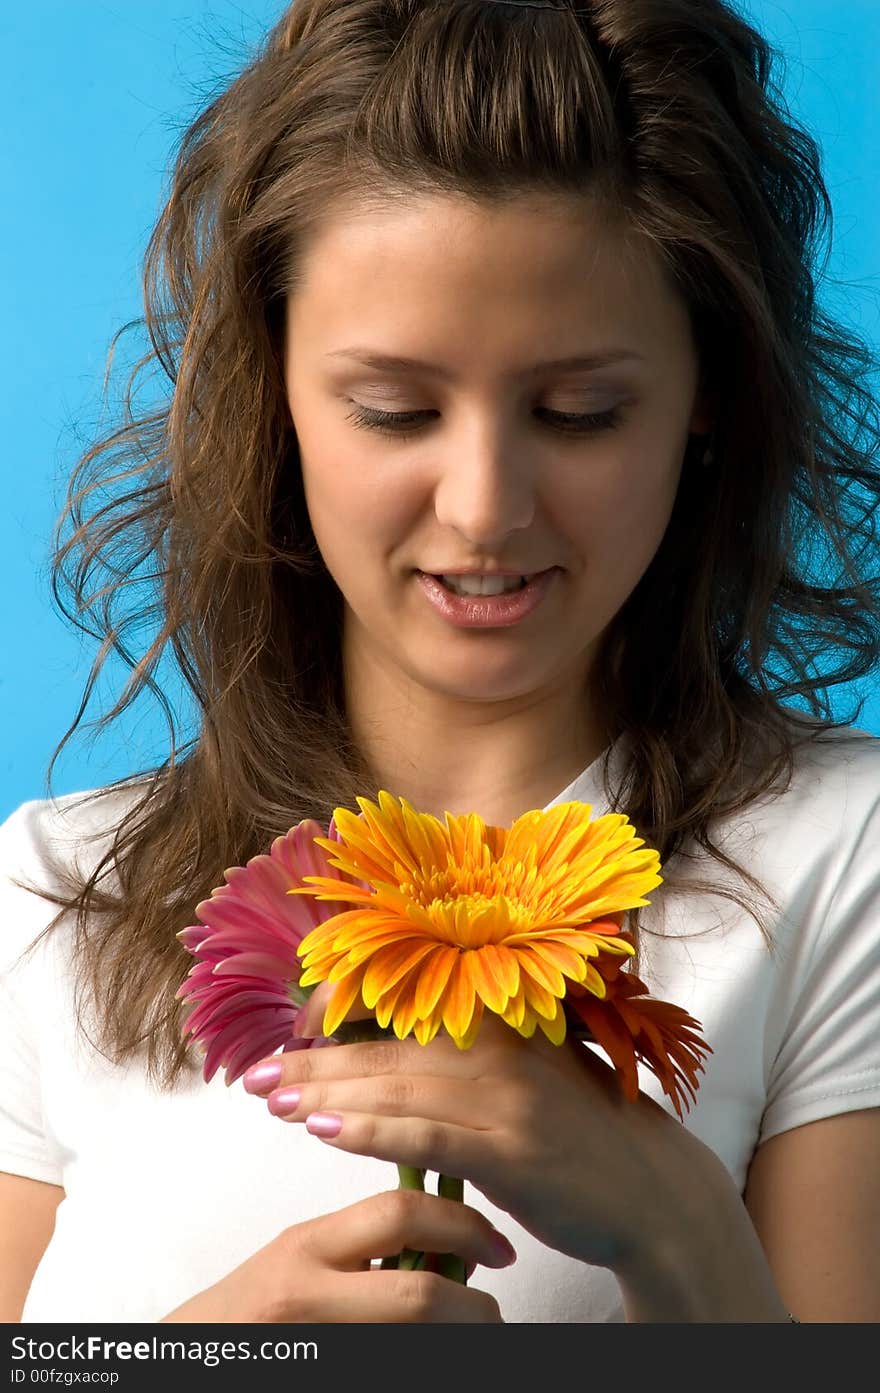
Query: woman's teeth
(483,585)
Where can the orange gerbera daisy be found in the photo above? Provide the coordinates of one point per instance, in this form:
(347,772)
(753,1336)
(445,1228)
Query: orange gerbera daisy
(631,1026)
(465,916)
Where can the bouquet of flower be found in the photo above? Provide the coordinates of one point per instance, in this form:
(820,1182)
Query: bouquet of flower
(449,921)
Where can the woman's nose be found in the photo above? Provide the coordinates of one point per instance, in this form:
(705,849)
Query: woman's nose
(486,489)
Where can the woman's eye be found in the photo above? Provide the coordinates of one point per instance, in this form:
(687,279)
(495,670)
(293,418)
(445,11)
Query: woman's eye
(403,423)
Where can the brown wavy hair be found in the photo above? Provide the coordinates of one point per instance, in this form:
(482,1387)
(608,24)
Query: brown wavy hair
(668,113)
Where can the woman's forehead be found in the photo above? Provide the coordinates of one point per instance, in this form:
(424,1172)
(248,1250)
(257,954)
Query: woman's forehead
(410,282)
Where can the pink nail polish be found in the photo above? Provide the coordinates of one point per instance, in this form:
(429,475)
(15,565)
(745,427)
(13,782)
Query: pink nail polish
(283,1101)
(261,1077)
(324,1124)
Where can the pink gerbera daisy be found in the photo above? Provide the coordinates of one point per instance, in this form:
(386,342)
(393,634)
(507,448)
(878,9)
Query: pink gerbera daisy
(244,984)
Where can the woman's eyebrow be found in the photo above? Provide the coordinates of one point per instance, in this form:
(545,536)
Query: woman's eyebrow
(392,362)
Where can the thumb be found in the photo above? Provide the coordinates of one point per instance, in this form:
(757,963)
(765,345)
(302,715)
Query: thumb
(310,1017)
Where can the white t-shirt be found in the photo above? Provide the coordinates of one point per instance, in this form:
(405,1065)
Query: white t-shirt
(165,1193)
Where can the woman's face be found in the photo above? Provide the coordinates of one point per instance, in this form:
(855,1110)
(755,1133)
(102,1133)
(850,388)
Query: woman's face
(485,298)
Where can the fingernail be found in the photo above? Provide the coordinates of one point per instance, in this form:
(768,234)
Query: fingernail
(262,1076)
(298,1029)
(283,1101)
(503,1248)
(324,1124)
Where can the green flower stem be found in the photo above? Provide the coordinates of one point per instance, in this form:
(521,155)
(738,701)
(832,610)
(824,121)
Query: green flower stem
(411,1178)
(450,1188)
(450,1264)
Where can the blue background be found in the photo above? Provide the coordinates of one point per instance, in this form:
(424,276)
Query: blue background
(92,100)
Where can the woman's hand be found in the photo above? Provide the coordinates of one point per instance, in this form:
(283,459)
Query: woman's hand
(541,1129)
(320,1271)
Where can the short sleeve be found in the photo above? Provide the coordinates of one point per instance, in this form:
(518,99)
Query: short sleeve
(829,1058)
(25,1148)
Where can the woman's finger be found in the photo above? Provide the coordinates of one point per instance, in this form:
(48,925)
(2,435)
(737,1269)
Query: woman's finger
(386,1223)
(401,1298)
(410,1141)
(392,1095)
(310,1017)
(363,1060)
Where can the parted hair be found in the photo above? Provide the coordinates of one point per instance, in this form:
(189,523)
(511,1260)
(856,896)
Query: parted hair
(185,536)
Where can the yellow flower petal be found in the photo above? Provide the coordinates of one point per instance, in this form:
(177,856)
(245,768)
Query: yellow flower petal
(433,978)
(560,956)
(594,981)
(404,1018)
(425,1030)
(391,963)
(485,982)
(387,1002)
(538,999)
(425,834)
(325,888)
(463,916)
(504,964)
(346,994)
(369,948)
(385,834)
(541,972)
(515,1011)
(554,1027)
(459,1000)
(545,830)
(528,1024)
(465,1041)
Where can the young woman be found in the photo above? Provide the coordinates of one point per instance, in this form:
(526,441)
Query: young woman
(474,287)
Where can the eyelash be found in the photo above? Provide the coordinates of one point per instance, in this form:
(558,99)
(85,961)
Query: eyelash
(390,423)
